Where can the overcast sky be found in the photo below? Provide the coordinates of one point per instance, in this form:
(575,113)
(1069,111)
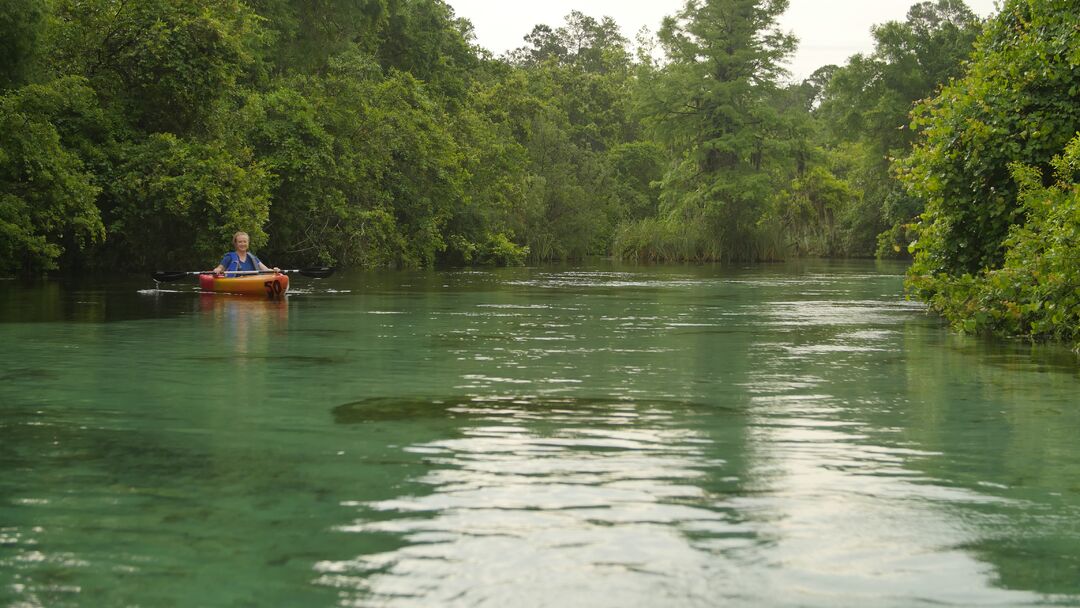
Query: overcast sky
(829,31)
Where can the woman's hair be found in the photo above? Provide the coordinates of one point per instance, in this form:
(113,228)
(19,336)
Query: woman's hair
(234,237)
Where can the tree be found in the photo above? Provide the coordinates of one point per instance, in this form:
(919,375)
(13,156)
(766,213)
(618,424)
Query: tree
(161,64)
(179,201)
(20,26)
(871,97)
(1036,292)
(997,242)
(590,45)
(587,66)
(47,197)
(307,33)
(633,169)
(711,105)
(365,170)
(869,101)
(1018,102)
(571,115)
(424,39)
(487,228)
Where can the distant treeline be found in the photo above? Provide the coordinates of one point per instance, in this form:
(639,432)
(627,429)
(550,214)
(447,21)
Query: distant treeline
(138,135)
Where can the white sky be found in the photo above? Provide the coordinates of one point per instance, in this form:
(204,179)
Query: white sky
(829,31)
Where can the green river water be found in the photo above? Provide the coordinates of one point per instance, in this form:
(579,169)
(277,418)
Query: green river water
(602,435)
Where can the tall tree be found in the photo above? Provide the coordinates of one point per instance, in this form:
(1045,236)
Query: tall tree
(711,105)
(578,78)
(425,39)
(592,45)
(871,97)
(587,63)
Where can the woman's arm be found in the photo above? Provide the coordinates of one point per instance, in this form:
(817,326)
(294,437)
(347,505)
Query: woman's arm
(226,262)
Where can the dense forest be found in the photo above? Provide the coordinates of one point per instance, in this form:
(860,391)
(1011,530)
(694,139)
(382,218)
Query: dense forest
(140,135)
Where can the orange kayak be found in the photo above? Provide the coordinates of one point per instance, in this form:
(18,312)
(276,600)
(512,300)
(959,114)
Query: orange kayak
(266,285)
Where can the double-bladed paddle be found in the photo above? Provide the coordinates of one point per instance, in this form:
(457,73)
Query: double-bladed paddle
(318,272)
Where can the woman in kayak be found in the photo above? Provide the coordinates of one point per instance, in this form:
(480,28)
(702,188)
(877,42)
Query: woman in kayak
(241,259)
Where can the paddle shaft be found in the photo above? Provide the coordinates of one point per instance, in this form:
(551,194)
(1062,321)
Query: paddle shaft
(317,273)
(313,272)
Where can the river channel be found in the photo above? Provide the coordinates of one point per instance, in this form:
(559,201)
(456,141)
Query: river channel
(596,435)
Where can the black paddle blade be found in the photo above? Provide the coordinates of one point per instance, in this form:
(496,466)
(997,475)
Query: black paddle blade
(167,275)
(320,272)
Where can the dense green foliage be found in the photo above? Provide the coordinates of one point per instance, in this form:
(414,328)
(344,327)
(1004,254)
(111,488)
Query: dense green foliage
(20,25)
(712,106)
(865,110)
(47,194)
(1036,291)
(374,133)
(1018,103)
(997,246)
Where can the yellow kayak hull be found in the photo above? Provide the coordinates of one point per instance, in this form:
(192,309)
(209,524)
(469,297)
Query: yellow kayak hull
(265,285)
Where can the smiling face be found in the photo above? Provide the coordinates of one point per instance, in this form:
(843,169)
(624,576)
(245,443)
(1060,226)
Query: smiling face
(240,241)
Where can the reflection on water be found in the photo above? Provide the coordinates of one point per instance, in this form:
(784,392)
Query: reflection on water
(248,323)
(572,501)
(660,436)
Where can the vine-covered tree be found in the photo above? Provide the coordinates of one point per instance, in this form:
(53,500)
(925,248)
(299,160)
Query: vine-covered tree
(987,154)
(1018,102)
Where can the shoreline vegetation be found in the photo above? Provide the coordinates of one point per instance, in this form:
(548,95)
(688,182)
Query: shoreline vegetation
(376,133)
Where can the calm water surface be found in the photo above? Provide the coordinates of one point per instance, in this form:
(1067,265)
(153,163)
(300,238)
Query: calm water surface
(782,435)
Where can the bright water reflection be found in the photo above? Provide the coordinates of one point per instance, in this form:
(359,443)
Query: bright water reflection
(558,501)
(674,436)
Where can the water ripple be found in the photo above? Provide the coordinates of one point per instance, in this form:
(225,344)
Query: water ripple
(570,489)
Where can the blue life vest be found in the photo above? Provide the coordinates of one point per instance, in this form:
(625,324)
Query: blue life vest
(231,262)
